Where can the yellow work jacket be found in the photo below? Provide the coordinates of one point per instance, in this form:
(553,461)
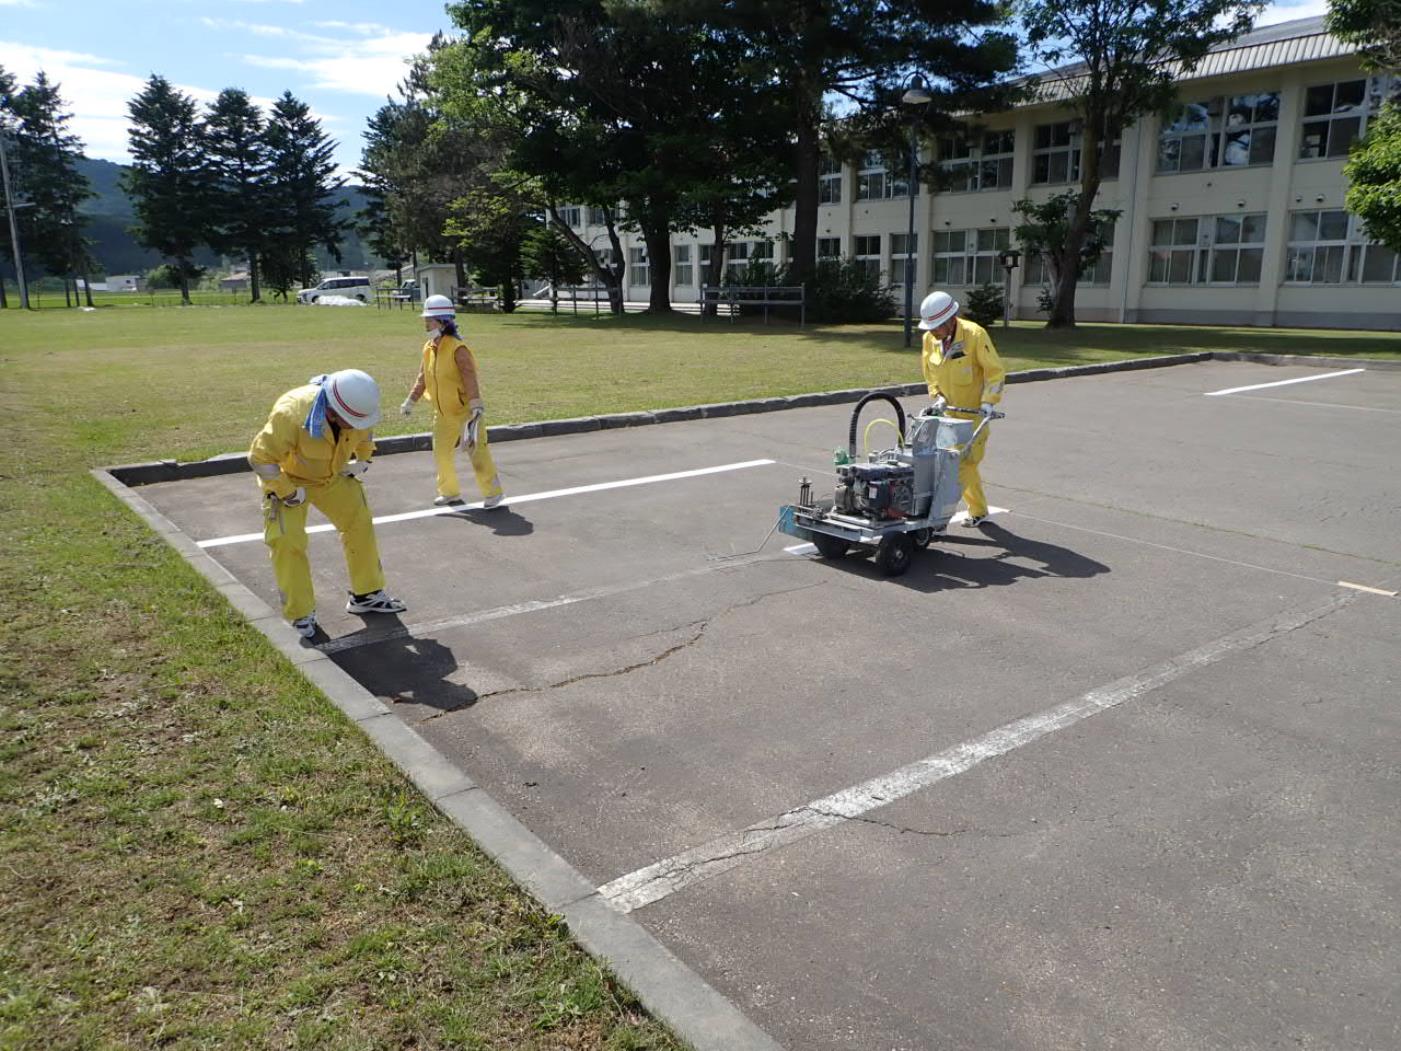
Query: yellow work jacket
(969,372)
(451,388)
(306,460)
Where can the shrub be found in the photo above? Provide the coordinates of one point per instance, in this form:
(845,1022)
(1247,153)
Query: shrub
(984,305)
(843,290)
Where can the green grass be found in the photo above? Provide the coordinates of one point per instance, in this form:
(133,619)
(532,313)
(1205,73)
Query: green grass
(196,849)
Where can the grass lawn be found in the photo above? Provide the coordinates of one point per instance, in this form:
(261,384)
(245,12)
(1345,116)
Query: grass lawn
(197,850)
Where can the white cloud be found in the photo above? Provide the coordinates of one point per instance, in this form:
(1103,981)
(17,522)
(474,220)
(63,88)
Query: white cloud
(96,96)
(1287,12)
(372,62)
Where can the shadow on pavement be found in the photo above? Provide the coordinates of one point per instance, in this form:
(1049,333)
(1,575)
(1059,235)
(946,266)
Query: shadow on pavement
(408,671)
(502,520)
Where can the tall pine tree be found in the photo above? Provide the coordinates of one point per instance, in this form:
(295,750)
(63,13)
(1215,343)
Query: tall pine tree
(302,188)
(168,180)
(238,172)
(47,177)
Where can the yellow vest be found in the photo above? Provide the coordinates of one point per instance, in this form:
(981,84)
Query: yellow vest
(443,382)
(969,372)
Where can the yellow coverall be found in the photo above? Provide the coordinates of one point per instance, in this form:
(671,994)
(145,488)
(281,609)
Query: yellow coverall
(966,370)
(448,377)
(314,464)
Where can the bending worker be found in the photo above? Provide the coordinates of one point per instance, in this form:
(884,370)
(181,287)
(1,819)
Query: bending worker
(962,369)
(448,375)
(313,449)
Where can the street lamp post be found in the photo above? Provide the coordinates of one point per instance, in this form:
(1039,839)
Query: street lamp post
(1010,259)
(14,226)
(915,96)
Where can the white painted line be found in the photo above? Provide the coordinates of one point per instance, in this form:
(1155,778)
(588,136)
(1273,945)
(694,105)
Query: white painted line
(512,501)
(1364,587)
(464,620)
(666,877)
(1283,383)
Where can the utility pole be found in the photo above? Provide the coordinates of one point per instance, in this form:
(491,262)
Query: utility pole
(14,226)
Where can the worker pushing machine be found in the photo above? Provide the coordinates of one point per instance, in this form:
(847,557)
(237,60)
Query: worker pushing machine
(313,449)
(962,369)
(448,377)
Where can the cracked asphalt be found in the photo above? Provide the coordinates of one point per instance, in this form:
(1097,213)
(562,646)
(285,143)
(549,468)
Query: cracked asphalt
(1212,864)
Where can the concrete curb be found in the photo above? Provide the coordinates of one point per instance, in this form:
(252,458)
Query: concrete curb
(667,987)
(234,463)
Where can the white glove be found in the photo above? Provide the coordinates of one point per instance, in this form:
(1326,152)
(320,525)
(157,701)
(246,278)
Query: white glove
(938,405)
(355,468)
(988,410)
(294,498)
(407,407)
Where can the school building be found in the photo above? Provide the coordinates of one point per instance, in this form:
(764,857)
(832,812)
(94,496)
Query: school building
(1231,206)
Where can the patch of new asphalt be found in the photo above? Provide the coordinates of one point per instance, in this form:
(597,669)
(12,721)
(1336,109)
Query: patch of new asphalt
(1209,861)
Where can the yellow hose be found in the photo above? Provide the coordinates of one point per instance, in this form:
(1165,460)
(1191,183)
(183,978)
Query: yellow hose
(866,434)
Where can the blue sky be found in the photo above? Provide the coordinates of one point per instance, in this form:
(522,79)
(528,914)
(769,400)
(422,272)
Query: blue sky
(341,58)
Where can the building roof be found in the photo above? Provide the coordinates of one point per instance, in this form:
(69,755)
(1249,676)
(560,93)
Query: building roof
(1285,44)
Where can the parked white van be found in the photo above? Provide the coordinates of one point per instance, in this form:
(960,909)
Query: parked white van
(349,287)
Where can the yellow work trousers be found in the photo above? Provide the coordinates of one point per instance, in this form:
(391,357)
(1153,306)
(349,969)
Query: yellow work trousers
(448,434)
(342,500)
(971,480)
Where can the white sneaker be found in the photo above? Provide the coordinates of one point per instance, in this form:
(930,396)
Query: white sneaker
(306,626)
(374,602)
(447,501)
(493,501)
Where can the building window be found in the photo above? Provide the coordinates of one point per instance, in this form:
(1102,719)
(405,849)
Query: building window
(867,252)
(681,264)
(1055,156)
(571,215)
(1198,138)
(949,258)
(639,273)
(1220,250)
(736,260)
(1331,248)
(872,183)
(761,250)
(597,217)
(904,258)
(829,248)
(1335,115)
(986,165)
(972,257)
(1038,272)
(829,180)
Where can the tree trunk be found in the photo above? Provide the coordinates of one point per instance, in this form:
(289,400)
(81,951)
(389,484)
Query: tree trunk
(611,277)
(184,283)
(1068,280)
(715,269)
(656,234)
(254,287)
(87,288)
(458,270)
(66,301)
(807,154)
(508,297)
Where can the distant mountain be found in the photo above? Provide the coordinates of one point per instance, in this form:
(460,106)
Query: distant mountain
(110,215)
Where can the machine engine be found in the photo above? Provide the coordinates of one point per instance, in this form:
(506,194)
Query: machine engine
(878,490)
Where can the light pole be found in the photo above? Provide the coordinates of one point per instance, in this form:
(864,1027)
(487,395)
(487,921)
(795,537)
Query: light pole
(915,96)
(14,226)
(1010,259)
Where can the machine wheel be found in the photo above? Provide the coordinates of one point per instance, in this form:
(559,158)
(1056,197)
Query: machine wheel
(895,554)
(829,546)
(923,537)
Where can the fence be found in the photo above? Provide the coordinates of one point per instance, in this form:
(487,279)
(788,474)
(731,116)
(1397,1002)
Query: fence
(737,297)
(48,299)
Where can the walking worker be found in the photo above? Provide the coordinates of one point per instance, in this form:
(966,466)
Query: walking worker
(313,449)
(962,369)
(448,376)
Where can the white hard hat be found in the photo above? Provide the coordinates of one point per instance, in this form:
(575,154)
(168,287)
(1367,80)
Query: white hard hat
(438,306)
(937,308)
(354,397)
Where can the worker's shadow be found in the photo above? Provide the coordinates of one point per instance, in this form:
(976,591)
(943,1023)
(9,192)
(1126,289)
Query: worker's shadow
(957,560)
(408,671)
(503,521)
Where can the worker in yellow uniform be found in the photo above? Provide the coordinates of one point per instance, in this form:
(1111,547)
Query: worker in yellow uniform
(448,376)
(962,369)
(313,449)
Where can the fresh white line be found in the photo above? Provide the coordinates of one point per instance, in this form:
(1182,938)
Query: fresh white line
(666,877)
(1364,587)
(430,627)
(1284,383)
(529,498)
